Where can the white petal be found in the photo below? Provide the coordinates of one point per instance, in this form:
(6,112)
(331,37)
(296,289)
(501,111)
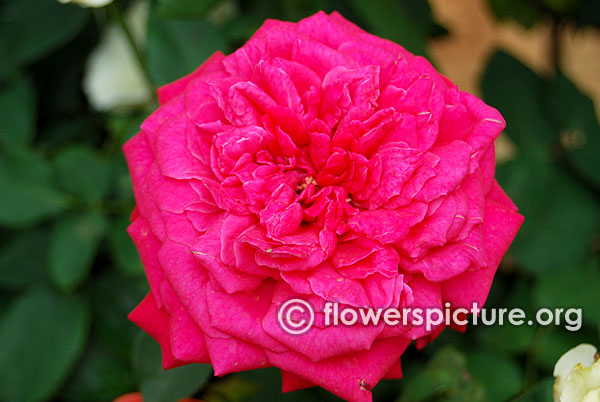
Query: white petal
(592,396)
(574,388)
(584,354)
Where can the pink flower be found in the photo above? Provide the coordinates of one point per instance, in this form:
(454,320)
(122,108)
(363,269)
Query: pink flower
(317,162)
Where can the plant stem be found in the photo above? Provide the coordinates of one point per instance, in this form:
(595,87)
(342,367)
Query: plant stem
(531,364)
(116,14)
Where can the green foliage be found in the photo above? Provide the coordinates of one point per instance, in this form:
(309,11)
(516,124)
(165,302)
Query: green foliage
(512,88)
(488,368)
(22,259)
(41,338)
(22,44)
(178,47)
(564,289)
(112,297)
(99,376)
(17,112)
(72,248)
(552,344)
(579,130)
(28,194)
(391,20)
(158,385)
(568,222)
(540,392)
(445,378)
(493,338)
(82,172)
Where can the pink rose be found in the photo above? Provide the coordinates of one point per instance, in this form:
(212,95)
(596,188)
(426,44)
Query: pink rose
(316,162)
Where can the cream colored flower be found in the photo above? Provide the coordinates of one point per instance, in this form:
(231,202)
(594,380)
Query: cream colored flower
(114,78)
(87,3)
(577,375)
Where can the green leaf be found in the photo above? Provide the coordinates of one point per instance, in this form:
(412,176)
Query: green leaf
(158,385)
(28,195)
(445,378)
(23,259)
(123,127)
(554,343)
(82,172)
(493,338)
(112,297)
(187,42)
(99,377)
(501,376)
(61,132)
(184,8)
(30,29)
(27,164)
(577,120)
(516,92)
(17,112)
(7,65)
(237,30)
(390,19)
(560,215)
(40,340)
(72,248)
(575,286)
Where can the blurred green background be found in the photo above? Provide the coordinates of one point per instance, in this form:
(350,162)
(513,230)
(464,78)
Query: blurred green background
(72,91)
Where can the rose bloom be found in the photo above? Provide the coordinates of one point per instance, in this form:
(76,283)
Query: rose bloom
(316,162)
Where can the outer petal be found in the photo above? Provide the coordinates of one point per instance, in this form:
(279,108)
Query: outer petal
(291,382)
(500,226)
(351,376)
(148,247)
(155,321)
(187,340)
(395,372)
